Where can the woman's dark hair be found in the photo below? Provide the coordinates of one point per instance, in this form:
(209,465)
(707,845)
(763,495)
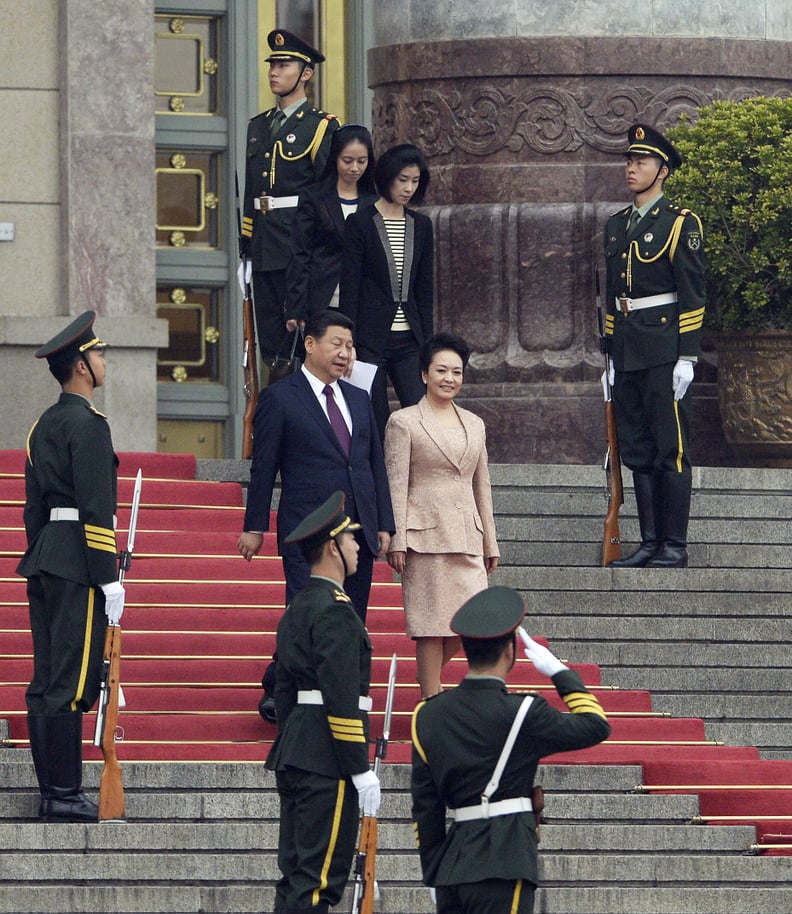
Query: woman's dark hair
(351,133)
(395,160)
(441,341)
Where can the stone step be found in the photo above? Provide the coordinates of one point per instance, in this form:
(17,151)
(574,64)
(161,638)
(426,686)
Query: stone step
(235,899)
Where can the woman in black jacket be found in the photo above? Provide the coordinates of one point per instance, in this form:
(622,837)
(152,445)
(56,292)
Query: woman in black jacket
(387,278)
(318,225)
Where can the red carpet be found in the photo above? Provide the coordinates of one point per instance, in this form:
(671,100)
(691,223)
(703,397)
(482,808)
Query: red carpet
(199,629)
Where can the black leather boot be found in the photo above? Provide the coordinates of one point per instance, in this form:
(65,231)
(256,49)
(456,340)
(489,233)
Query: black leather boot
(676,488)
(66,801)
(37,733)
(644,484)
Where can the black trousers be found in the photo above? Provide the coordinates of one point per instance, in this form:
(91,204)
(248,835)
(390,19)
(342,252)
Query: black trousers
(401,364)
(316,842)
(68,622)
(269,296)
(653,428)
(491,896)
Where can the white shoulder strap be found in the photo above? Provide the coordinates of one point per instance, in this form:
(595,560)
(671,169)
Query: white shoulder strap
(507,748)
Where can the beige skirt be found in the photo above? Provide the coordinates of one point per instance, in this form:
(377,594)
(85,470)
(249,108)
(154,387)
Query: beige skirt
(434,586)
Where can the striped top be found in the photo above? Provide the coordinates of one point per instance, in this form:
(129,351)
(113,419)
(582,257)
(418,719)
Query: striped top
(396,230)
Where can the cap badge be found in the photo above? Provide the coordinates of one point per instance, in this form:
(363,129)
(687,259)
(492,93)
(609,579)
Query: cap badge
(280,40)
(639,133)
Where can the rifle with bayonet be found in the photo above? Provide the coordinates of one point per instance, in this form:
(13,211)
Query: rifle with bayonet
(614,492)
(366,857)
(250,383)
(112,806)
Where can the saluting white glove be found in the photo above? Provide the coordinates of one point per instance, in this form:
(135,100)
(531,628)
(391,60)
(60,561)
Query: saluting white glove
(369,796)
(244,273)
(683,376)
(114,601)
(540,656)
(607,379)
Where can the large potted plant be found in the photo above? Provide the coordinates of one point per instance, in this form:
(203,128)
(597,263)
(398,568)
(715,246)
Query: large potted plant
(737,177)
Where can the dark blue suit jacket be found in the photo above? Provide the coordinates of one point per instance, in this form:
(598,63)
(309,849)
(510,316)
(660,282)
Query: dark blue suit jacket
(292,434)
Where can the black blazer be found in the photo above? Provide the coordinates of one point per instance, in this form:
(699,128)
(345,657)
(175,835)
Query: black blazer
(292,436)
(317,241)
(367,294)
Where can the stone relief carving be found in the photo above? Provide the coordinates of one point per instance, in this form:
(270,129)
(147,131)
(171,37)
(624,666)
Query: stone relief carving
(485,120)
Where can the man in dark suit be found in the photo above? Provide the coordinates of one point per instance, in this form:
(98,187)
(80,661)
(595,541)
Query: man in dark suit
(320,756)
(475,753)
(655,300)
(296,433)
(287,148)
(70,565)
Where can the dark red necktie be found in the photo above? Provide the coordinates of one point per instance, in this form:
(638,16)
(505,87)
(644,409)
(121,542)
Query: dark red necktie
(337,420)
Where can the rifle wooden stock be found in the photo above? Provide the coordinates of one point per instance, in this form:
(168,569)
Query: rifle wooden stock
(365,867)
(611,539)
(250,369)
(111,786)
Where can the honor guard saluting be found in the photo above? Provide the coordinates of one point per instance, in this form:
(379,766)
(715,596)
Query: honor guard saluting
(287,148)
(475,753)
(655,310)
(70,564)
(321,754)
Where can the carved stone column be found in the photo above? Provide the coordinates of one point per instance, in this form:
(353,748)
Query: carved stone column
(523,137)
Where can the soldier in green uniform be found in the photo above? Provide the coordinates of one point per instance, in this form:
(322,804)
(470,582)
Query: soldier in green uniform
(287,148)
(475,753)
(321,753)
(70,564)
(655,310)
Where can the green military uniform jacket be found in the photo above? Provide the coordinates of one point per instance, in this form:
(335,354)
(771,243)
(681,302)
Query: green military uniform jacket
(663,253)
(71,464)
(322,645)
(458,736)
(280,165)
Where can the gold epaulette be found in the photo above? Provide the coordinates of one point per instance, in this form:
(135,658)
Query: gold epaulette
(93,409)
(341,597)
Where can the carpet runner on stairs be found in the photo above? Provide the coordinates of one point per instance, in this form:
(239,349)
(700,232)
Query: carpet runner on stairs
(199,628)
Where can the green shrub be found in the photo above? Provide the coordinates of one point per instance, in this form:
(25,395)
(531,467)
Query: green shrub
(737,177)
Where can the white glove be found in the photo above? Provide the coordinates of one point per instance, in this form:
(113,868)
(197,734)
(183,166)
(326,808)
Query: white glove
(368,787)
(541,657)
(607,379)
(244,273)
(114,601)
(683,376)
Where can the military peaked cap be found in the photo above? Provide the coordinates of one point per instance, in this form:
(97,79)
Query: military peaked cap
(645,140)
(73,340)
(323,524)
(492,613)
(287,46)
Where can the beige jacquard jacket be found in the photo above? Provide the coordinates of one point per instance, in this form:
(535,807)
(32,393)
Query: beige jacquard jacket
(439,505)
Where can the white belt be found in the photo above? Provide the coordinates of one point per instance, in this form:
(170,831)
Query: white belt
(64,514)
(650,301)
(486,810)
(72,514)
(274,202)
(314,697)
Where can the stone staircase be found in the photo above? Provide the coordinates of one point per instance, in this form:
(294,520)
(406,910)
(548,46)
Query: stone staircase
(712,641)
(708,641)
(201,838)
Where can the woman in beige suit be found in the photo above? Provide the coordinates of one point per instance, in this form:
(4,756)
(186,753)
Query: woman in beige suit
(444,546)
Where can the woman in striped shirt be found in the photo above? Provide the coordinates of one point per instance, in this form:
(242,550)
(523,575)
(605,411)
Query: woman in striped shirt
(387,282)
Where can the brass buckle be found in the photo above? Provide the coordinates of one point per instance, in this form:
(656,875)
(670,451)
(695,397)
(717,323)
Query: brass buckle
(264,204)
(624,304)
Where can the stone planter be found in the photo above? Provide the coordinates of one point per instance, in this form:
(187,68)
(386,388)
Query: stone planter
(755,396)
